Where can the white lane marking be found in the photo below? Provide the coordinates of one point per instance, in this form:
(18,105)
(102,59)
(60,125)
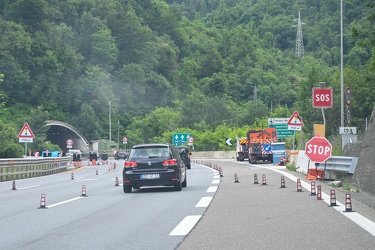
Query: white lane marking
(185,226)
(215,181)
(83,179)
(63,202)
(357,218)
(28,187)
(212,189)
(204,202)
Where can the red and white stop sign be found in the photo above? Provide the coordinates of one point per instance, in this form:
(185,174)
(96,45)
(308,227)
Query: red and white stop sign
(322,98)
(318,149)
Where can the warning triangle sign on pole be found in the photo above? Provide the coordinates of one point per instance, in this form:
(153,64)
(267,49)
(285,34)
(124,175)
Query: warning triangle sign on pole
(26,132)
(295,120)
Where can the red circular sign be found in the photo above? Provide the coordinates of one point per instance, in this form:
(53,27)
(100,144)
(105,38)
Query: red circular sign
(69,142)
(191,139)
(124,139)
(318,149)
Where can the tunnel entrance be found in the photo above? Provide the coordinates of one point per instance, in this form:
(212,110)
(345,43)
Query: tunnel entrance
(60,132)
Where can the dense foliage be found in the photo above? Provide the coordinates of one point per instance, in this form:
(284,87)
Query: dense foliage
(209,67)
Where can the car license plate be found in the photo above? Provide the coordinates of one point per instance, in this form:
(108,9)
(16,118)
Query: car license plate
(150,176)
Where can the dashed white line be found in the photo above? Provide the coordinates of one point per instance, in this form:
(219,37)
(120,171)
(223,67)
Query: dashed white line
(215,181)
(185,226)
(63,202)
(212,189)
(28,187)
(204,202)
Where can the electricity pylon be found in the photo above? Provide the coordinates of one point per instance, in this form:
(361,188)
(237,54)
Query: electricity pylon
(299,40)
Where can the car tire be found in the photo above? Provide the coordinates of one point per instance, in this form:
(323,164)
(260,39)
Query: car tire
(127,189)
(178,186)
(184,183)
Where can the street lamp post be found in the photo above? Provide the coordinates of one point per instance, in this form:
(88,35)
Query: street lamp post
(118,134)
(342,67)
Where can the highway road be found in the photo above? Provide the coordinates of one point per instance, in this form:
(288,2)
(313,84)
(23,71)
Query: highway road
(106,218)
(212,212)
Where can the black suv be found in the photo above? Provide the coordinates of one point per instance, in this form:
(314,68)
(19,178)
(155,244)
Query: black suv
(154,164)
(185,155)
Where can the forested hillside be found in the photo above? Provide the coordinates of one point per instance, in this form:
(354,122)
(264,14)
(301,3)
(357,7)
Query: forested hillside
(209,67)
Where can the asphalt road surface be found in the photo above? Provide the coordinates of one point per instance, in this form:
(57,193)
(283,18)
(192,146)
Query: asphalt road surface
(244,215)
(86,210)
(212,212)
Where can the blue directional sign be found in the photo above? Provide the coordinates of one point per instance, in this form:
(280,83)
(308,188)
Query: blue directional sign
(180,138)
(267,147)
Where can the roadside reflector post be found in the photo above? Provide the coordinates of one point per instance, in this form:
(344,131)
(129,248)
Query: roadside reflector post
(348,203)
(116,182)
(72,176)
(313,190)
(235,178)
(14,185)
(43,201)
(299,186)
(333,198)
(97,172)
(264,182)
(83,190)
(282,182)
(319,195)
(255,179)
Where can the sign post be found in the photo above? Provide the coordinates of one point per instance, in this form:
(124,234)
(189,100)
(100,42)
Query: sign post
(26,135)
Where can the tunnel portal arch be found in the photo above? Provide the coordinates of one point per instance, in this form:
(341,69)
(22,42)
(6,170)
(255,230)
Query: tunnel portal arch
(59,132)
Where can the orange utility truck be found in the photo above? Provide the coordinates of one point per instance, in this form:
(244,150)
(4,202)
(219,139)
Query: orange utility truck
(259,144)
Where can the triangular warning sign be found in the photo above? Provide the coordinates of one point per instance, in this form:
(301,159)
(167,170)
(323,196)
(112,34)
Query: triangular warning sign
(295,120)
(26,132)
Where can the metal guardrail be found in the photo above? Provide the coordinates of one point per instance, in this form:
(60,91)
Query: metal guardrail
(342,164)
(21,168)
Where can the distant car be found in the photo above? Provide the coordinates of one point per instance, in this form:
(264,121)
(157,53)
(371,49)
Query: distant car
(121,154)
(185,155)
(154,165)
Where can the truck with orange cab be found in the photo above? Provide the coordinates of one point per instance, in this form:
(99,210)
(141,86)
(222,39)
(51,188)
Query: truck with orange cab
(259,143)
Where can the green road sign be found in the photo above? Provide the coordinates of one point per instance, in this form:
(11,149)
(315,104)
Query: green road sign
(180,138)
(282,130)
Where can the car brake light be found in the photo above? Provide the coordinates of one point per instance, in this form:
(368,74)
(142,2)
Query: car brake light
(170,162)
(130,164)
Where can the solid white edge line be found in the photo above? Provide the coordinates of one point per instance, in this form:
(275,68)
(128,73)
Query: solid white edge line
(204,202)
(357,218)
(63,202)
(185,226)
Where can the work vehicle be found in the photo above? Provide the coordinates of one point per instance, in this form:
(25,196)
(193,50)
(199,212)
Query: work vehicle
(154,164)
(259,142)
(185,155)
(242,149)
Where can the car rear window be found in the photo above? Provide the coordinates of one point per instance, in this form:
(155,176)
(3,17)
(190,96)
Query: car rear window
(182,150)
(149,152)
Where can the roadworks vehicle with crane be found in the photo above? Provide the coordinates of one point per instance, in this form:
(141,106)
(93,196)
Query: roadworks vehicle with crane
(259,144)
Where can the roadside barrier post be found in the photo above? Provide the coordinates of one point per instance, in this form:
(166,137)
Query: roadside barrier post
(299,186)
(319,196)
(264,182)
(333,198)
(282,182)
(255,179)
(313,191)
